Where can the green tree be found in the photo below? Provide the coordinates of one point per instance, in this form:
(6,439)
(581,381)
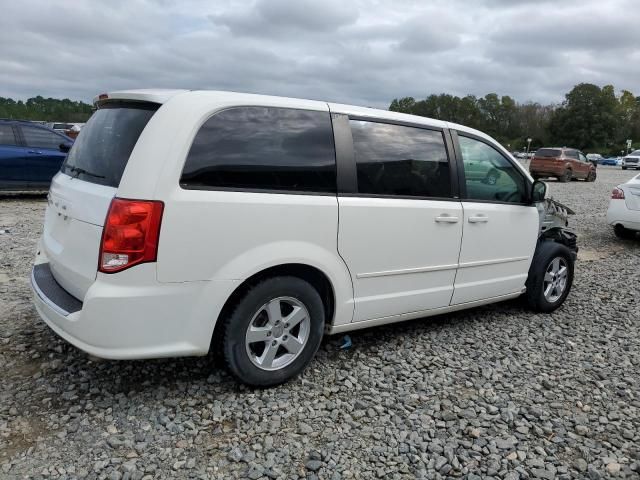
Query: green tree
(588,117)
(46,109)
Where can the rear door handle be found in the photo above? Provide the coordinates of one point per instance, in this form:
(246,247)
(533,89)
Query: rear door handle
(444,218)
(478,219)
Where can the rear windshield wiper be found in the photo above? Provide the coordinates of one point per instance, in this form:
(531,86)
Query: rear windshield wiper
(78,171)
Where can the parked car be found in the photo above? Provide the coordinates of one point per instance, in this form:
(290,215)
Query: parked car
(632,160)
(563,163)
(595,158)
(30,155)
(611,161)
(624,208)
(59,127)
(214,219)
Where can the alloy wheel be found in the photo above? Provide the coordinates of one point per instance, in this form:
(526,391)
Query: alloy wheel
(277,333)
(555,279)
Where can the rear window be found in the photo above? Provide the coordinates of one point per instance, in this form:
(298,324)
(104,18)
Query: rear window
(548,152)
(101,151)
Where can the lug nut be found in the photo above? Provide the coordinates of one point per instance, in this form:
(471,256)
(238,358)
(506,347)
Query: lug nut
(268,334)
(285,337)
(274,343)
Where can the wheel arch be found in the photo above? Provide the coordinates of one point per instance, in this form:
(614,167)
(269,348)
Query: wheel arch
(560,235)
(319,279)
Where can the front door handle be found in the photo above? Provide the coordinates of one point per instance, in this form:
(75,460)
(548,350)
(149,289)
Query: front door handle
(478,219)
(444,218)
(35,151)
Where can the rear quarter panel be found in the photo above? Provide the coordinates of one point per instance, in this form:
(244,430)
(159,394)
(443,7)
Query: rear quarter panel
(226,235)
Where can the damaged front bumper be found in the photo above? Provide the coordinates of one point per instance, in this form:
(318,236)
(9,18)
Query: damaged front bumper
(554,224)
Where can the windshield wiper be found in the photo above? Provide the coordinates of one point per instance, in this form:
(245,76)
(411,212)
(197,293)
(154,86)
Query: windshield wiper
(81,171)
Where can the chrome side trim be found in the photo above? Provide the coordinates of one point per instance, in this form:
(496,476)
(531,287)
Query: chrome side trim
(407,271)
(482,263)
(438,268)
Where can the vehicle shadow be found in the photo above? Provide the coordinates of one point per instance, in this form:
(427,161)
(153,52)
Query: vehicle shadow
(70,369)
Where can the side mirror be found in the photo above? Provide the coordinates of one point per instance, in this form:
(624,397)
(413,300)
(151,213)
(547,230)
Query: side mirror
(65,147)
(538,192)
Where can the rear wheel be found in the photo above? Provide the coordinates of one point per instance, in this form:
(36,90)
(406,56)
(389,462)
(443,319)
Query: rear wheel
(622,232)
(274,331)
(550,277)
(566,176)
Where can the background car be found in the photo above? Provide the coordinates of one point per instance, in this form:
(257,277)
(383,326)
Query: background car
(594,158)
(30,155)
(624,208)
(611,161)
(482,170)
(632,160)
(563,163)
(59,127)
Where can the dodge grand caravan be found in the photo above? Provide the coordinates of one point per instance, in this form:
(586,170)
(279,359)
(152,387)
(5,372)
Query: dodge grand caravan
(184,222)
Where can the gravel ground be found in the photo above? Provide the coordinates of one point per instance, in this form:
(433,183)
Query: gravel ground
(494,392)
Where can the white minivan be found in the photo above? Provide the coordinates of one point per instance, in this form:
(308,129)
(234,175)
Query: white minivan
(184,222)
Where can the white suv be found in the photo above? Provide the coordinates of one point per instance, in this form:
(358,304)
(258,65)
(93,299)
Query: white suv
(189,221)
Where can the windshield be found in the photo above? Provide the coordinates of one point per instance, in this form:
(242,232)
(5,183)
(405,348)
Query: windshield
(101,151)
(548,152)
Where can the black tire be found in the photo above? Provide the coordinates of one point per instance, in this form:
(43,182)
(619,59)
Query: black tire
(546,253)
(235,329)
(591,177)
(622,232)
(624,168)
(566,176)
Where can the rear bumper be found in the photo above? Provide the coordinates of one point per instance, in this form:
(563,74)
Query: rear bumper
(130,315)
(546,170)
(619,214)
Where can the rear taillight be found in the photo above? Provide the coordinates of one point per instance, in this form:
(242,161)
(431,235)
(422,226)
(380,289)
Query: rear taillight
(617,194)
(130,234)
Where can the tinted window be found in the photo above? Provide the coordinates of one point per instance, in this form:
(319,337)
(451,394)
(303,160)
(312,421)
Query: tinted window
(41,138)
(7,136)
(263,148)
(571,154)
(102,150)
(398,160)
(489,175)
(582,157)
(548,152)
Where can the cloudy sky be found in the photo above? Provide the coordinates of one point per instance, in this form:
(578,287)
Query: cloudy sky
(363,52)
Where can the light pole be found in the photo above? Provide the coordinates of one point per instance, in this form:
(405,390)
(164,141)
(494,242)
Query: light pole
(528,145)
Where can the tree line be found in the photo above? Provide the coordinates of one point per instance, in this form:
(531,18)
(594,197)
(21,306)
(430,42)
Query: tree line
(590,118)
(45,109)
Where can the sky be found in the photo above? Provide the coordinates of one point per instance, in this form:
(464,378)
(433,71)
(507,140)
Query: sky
(361,52)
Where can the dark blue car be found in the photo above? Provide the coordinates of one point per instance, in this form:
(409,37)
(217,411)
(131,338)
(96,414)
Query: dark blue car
(30,155)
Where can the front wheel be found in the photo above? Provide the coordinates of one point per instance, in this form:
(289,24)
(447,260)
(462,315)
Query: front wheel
(274,331)
(624,168)
(591,177)
(566,176)
(550,277)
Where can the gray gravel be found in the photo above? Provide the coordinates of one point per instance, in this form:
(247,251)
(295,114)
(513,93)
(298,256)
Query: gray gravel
(495,392)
